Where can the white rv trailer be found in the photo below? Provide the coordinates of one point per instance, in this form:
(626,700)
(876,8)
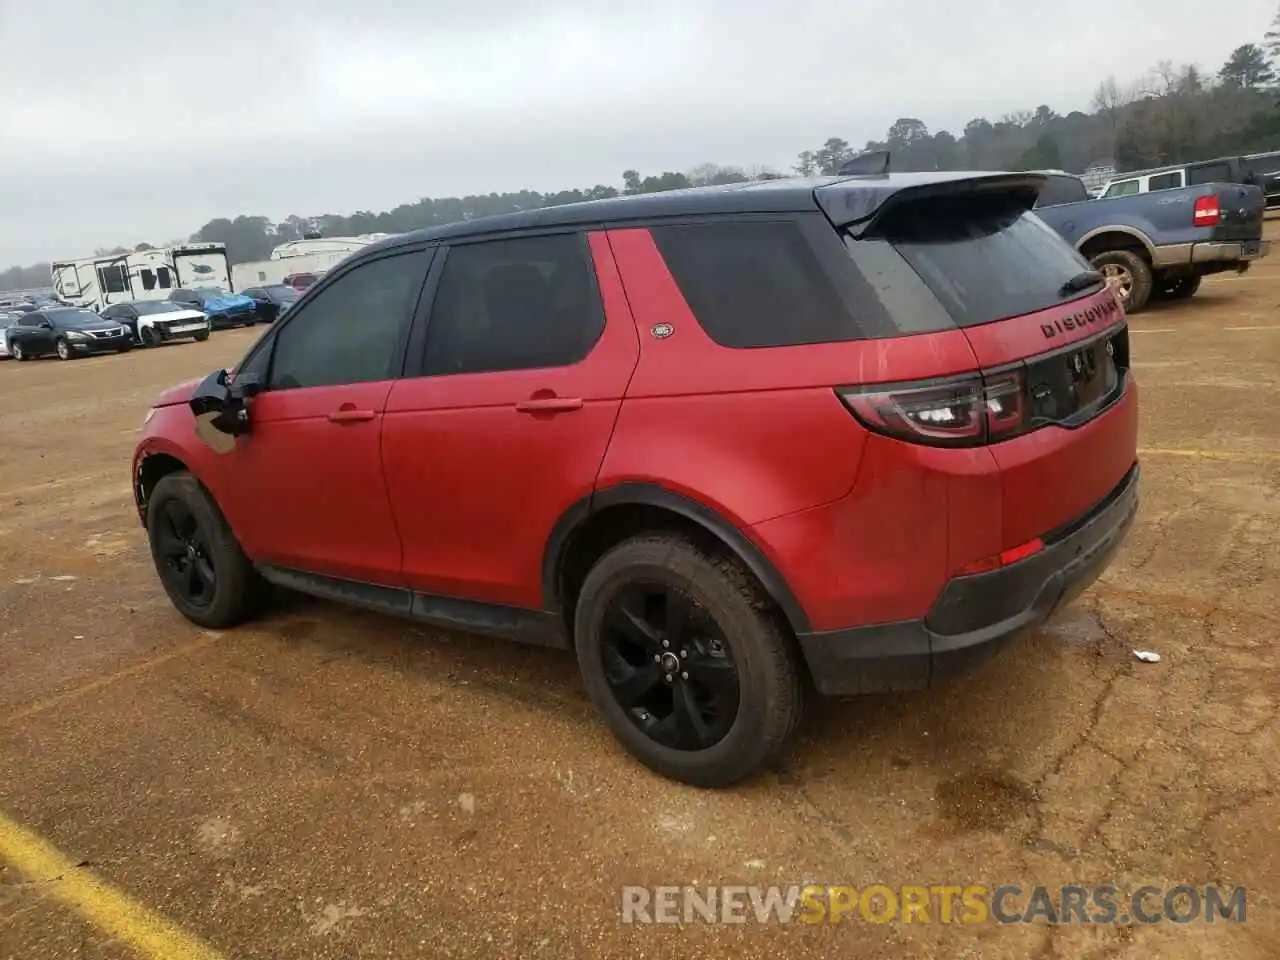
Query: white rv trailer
(98,282)
(299,256)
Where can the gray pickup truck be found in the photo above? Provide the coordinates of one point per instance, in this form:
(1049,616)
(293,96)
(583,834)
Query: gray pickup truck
(1158,245)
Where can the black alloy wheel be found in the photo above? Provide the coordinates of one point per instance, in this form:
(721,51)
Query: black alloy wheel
(687,659)
(669,667)
(183,547)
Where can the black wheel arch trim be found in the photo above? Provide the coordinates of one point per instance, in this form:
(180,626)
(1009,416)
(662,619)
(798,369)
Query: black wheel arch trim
(654,495)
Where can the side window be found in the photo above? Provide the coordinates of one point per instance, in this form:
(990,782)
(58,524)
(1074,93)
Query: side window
(755,284)
(1210,173)
(1125,188)
(148,278)
(162,278)
(1165,181)
(515,304)
(254,366)
(351,332)
(31,320)
(111,278)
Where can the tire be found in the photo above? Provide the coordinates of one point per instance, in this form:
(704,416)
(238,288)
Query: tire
(63,349)
(17,352)
(202,336)
(725,600)
(1131,276)
(125,349)
(185,527)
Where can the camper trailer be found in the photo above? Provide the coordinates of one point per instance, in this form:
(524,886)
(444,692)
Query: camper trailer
(98,282)
(314,255)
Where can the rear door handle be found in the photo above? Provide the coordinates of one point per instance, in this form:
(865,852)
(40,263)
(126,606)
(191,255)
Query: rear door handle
(351,415)
(550,405)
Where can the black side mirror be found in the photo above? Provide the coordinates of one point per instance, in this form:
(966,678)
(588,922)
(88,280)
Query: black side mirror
(220,412)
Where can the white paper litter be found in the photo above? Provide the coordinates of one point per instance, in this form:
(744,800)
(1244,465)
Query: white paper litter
(1147,656)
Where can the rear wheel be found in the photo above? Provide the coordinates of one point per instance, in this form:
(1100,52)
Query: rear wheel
(684,657)
(63,349)
(201,566)
(16,351)
(1128,275)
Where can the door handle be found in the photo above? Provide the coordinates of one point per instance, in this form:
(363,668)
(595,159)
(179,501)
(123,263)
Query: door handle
(351,415)
(550,405)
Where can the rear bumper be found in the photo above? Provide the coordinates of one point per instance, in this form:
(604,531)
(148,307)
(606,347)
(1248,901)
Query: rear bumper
(1214,251)
(974,615)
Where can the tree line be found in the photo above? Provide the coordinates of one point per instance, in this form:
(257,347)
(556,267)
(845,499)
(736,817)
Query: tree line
(1171,114)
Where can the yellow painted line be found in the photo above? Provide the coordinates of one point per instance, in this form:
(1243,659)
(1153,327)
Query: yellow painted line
(1155,330)
(1267,327)
(49,703)
(149,934)
(1208,455)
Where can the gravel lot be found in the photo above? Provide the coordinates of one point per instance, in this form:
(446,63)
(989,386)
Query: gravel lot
(327,783)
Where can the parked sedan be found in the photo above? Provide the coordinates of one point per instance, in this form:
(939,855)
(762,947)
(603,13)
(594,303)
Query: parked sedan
(153,322)
(66,332)
(273,301)
(222,308)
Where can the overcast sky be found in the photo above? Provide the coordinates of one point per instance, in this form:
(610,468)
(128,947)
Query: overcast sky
(129,121)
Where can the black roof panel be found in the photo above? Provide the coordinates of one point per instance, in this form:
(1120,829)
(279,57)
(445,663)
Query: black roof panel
(789,195)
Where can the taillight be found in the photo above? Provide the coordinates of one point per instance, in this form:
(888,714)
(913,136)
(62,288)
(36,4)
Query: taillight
(1208,212)
(961,412)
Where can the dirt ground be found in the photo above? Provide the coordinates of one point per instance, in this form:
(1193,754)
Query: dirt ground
(327,783)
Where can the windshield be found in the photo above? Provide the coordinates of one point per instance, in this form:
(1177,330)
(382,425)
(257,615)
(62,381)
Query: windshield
(281,292)
(210,292)
(149,307)
(74,318)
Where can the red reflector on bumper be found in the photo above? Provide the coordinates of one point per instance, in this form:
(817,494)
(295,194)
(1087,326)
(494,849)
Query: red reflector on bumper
(1003,559)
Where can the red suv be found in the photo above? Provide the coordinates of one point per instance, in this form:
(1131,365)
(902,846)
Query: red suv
(727,444)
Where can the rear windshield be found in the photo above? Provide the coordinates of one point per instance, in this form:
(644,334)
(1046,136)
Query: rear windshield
(983,261)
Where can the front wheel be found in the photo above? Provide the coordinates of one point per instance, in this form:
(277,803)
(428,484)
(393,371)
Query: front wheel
(63,349)
(149,337)
(201,566)
(1129,277)
(16,351)
(683,656)
(202,336)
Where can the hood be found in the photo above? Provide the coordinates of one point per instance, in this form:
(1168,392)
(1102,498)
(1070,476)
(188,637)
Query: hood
(178,314)
(178,393)
(230,301)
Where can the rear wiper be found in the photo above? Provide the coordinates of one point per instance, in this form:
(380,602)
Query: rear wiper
(1081,281)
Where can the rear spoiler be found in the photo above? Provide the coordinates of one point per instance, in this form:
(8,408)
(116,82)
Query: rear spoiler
(858,204)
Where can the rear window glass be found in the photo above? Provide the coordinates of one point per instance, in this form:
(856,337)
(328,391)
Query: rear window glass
(1061,190)
(755,283)
(983,261)
(1210,173)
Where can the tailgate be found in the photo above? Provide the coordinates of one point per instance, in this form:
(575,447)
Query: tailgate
(1242,210)
(1078,393)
